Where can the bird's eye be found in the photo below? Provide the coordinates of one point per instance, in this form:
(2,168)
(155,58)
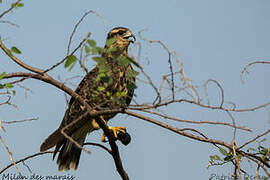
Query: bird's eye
(121,32)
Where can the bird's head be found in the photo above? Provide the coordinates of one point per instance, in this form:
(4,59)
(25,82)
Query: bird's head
(122,37)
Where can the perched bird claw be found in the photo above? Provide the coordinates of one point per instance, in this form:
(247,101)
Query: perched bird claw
(118,133)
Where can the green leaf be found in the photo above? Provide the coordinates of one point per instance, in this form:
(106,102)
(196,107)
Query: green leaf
(123,60)
(2,75)
(20,5)
(92,43)
(123,93)
(9,52)
(223,151)
(71,66)
(215,157)
(99,59)
(118,94)
(103,68)
(112,49)
(134,62)
(105,79)
(110,41)
(101,88)
(8,85)
(87,49)
(15,50)
(228,158)
(131,86)
(0,1)
(97,50)
(1,86)
(132,73)
(70,62)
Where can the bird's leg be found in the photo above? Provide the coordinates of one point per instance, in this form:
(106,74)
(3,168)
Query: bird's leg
(114,130)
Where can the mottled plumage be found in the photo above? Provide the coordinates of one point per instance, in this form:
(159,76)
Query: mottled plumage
(101,94)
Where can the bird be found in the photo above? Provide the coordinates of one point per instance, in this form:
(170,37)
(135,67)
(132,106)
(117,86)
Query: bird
(109,85)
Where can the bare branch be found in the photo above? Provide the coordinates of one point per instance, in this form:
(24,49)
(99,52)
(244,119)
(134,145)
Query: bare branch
(24,159)
(10,155)
(191,136)
(78,23)
(19,121)
(176,130)
(6,102)
(102,124)
(197,122)
(17,61)
(250,64)
(11,23)
(199,104)
(254,139)
(65,58)
(98,145)
(220,87)
(169,57)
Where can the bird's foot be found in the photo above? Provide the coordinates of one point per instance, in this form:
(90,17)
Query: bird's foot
(114,130)
(119,133)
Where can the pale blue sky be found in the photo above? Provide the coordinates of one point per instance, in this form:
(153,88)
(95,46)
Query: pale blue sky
(214,38)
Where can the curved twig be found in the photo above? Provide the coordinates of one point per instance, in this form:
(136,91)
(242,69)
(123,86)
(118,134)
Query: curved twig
(219,86)
(250,64)
(98,145)
(24,159)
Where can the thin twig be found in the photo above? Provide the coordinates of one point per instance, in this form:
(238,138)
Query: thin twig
(197,122)
(19,121)
(65,58)
(17,61)
(77,25)
(254,139)
(219,86)
(11,23)
(250,64)
(9,9)
(98,145)
(140,107)
(102,124)
(10,155)
(24,159)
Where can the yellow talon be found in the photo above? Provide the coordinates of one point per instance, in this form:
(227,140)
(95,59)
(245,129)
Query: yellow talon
(114,130)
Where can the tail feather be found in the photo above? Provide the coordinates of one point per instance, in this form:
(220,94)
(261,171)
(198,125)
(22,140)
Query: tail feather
(69,153)
(69,156)
(52,140)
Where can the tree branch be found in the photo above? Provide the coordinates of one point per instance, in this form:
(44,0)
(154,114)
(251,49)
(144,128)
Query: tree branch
(46,78)
(9,9)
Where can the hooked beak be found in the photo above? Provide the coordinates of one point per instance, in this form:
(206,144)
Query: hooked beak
(133,38)
(130,37)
